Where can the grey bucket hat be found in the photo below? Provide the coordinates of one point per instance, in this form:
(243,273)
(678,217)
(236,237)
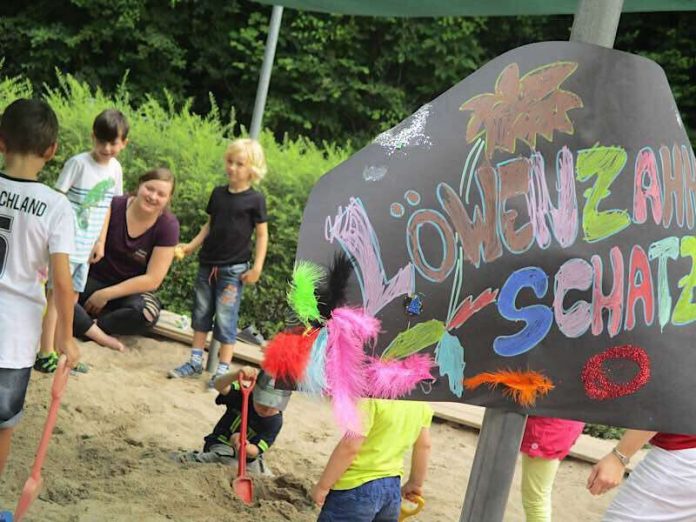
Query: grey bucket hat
(266,394)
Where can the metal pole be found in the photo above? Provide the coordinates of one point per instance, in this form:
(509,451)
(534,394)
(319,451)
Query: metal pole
(266,67)
(595,22)
(213,350)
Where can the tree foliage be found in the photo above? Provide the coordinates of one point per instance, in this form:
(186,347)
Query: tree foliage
(336,78)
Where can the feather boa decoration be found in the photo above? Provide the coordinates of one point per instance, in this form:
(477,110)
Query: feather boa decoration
(301,296)
(392,379)
(314,380)
(349,330)
(287,355)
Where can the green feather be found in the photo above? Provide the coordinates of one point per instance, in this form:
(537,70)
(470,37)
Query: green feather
(302,295)
(415,339)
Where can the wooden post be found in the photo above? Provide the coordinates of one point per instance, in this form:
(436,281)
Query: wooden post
(491,475)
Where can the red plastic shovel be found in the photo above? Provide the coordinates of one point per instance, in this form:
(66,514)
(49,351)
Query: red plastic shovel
(242,485)
(33,484)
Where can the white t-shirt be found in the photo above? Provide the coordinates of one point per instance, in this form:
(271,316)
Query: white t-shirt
(90,188)
(35,221)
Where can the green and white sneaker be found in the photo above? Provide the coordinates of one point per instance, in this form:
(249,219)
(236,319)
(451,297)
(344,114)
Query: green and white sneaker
(46,364)
(49,363)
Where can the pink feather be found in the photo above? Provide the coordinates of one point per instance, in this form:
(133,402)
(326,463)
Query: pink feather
(394,378)
(349,330)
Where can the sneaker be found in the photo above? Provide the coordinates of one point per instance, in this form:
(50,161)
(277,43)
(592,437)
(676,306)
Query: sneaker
(80,368)
(6,516)
(47,364)
(185,370)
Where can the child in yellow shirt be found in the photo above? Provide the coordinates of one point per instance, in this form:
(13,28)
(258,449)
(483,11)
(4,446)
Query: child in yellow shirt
(362,479)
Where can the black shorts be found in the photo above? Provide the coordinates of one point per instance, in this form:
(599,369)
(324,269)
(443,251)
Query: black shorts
(13,390)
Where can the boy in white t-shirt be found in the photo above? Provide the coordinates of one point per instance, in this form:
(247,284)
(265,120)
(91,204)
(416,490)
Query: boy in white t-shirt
(36,227)
(90,180)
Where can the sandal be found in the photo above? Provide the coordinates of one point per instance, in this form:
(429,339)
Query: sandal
(251,335)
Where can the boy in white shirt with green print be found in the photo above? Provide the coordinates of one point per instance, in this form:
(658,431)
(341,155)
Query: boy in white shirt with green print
(90,180)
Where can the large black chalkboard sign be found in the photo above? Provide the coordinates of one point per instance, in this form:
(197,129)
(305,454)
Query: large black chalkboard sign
(531,229)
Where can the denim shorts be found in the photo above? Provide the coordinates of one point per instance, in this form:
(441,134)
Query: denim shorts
(375,501)
(79,272)
(218,293)
(13,390)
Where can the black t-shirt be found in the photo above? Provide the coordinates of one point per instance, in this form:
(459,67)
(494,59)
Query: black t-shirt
(261,431)
(233,217)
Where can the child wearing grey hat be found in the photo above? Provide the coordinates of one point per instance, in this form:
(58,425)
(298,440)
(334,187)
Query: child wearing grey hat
(265,419)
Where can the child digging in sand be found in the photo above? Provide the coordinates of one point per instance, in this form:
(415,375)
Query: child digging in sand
(264,422)
(362,480)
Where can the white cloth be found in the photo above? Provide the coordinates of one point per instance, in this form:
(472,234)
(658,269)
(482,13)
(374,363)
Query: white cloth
(662,488)
(90,188)
(35,221)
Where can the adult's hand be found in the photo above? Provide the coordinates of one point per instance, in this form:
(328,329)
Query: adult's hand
(605,475)
(97,301)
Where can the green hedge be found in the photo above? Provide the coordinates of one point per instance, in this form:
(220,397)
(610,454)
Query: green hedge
(192,147)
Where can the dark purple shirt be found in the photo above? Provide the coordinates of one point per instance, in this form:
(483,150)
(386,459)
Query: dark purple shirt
(126,257)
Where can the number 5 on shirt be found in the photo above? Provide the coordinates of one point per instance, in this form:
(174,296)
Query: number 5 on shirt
(5,228)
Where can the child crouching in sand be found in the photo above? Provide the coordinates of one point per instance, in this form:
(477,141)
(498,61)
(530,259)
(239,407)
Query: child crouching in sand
(362,480)
(264,422)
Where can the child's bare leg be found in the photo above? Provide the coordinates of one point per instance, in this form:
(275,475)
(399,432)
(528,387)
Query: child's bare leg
(5,439)
(226,352)
(48,326)
(224,359)
(199,339)
(99,336)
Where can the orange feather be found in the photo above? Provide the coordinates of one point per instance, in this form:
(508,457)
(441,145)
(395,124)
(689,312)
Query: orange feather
(523,387)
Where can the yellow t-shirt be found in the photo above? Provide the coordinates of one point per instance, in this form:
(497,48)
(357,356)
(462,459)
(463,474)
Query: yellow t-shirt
(391,428)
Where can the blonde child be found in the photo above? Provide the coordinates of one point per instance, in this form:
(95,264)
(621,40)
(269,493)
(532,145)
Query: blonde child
(236,212)
(90,180)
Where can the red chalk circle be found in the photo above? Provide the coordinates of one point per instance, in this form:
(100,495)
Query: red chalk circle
(600,387)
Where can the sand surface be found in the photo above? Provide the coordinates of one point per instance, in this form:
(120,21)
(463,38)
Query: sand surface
(111,455)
